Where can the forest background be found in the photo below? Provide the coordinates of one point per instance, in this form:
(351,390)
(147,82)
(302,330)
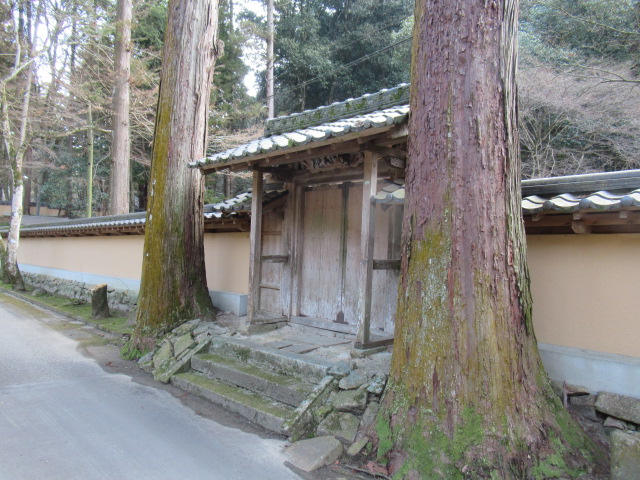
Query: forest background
(578,99)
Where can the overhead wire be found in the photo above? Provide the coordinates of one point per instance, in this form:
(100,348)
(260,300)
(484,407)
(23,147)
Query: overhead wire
(341,67)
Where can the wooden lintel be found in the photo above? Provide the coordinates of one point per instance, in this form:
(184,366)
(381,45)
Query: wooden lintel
(536,217)
(386,264)
(275,258)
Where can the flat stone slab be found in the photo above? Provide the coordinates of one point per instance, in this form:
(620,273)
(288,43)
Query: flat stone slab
(343,426)
(354,380)
(317,340)
(182,343)
(314,453)
(300,349)
(625,455)
(619,406)
(278,345)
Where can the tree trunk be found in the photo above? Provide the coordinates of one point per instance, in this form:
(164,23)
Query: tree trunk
(468,396)
(89,211)
(270,58)
(174,285)
(121,146)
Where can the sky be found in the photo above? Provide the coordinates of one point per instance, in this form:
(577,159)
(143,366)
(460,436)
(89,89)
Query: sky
(251,55)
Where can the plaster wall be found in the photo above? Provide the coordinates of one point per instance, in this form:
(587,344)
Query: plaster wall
(585,291)
(117,261)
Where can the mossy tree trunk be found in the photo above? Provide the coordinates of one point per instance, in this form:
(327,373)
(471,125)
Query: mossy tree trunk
(174,286)
(468,396)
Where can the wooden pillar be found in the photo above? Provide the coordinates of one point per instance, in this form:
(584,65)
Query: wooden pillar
(296,249)
(365,273)
(256,246)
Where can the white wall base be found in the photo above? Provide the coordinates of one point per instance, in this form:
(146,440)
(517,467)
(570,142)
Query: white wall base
(235,303)
(594,370)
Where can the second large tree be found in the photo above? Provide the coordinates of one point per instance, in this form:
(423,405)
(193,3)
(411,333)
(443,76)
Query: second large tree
(468,396)
(174,285)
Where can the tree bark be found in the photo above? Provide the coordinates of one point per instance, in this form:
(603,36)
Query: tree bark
(468,396)
(121,146)
(174,285)
(16,146)
(270,60)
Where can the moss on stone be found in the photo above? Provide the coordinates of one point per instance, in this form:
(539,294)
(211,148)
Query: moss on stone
(239,395)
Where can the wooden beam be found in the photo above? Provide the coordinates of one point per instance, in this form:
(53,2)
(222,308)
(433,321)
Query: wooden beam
(367,233)
(275,258)
(382,342)
(255,239)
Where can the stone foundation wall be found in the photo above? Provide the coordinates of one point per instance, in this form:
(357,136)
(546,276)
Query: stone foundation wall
(121,300)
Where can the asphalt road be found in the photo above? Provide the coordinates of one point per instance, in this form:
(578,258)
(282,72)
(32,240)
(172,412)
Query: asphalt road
(64,417)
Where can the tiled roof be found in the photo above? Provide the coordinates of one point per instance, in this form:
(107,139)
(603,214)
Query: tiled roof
(241,203)
(576,198)
(321,124)
(371,102)
(568,203)
(134,222)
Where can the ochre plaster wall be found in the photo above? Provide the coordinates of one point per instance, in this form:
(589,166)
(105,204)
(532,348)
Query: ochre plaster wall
(586,291)
(119,256)
(226,257)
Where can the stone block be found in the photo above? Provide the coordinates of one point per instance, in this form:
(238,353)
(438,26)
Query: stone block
(342,368)
(182,343)
(314,453)
(611,422)
(169,369)
(99,302)
(344,426)
(353,401)
(357,446)
(619,406)
(625,455)
(321,413)
(354,380)
(377,384)
(369,415)
(164,353)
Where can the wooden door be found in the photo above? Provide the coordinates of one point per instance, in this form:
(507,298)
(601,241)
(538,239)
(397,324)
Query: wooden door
(271,262)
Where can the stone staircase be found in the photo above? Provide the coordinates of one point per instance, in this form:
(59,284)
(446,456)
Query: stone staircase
(262,384)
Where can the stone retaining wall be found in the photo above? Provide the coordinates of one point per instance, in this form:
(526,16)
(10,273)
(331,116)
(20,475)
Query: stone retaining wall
(121,300)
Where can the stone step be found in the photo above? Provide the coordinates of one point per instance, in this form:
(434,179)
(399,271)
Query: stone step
(274,360)
(265,412)
(285,388)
